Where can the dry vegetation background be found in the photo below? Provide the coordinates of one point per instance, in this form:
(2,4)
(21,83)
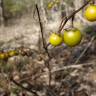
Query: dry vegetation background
(73,70)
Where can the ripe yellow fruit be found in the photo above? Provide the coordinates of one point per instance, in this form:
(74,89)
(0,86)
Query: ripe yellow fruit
(50,5)
(12,53)
(55,39)
(90,13)
(72,37)
(2,56)
(57,1)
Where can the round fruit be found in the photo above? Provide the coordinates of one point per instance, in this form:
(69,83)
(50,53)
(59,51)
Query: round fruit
(90,13)
(2,56)
(12,53)
(57,1)
(72,37)
(50,5)
(55,39)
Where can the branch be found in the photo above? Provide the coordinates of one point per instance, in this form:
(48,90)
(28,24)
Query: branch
(88,45)
(44,45)
(64,21)
(27,89)
(41,27)
(79,66)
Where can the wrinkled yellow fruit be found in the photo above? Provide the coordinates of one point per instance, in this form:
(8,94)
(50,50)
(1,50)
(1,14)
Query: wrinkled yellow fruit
(90,13)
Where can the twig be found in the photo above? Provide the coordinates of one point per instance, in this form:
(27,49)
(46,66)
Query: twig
(41,27)
(72,20)
(64,21)
(42,33)
(81,55)
(93,2)
(50,92)
(79,66)
(73,66)
(27,89)
(44,45)
(64,18)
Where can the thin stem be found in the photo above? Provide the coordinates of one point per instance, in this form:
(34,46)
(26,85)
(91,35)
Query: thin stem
(81,55)
(27,89)
(62,22)
(70,16)
(93,2)
(42,33)
(41,27)
(44,45)
(72,21)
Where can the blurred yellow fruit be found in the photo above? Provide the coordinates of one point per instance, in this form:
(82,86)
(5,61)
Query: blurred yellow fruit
(12,53)
(50,5)
(57,1)
(2,56)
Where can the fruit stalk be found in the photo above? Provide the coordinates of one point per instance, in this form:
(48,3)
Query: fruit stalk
(64,21)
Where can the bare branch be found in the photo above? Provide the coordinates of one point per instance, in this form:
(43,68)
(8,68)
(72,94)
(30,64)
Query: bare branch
(81,55)
(64,21)
(41,27)
(44,45)
(27,89)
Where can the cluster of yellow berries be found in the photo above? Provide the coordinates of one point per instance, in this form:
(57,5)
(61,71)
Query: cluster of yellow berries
(18,51)
(51,4)
(6,55)
(73,37)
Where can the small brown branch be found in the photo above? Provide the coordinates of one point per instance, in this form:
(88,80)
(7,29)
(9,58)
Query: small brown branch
(27,89)
(64,18)
(44,45)
(41,27)
(89,44)
(72,20)
(79,66)
(64,21)
(42,33)
(93,2)
(72,66)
